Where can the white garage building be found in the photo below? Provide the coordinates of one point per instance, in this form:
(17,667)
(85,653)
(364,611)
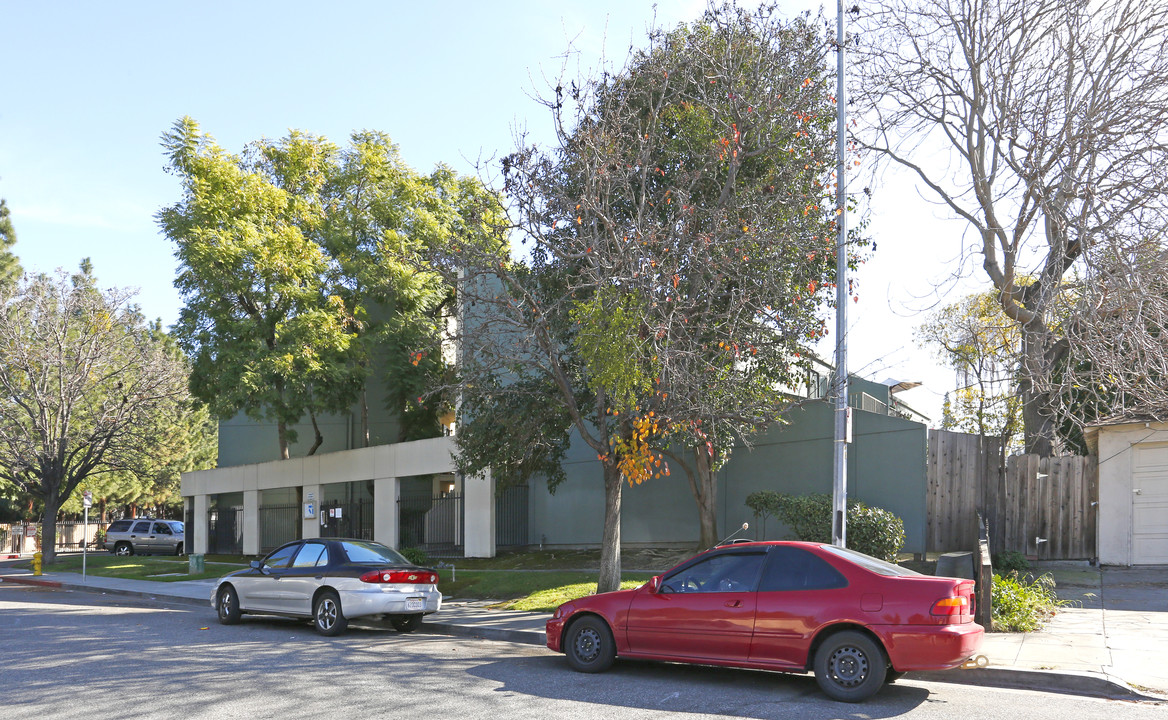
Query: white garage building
(1133,490)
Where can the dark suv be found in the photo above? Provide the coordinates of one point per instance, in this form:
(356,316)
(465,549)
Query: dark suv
(144,536)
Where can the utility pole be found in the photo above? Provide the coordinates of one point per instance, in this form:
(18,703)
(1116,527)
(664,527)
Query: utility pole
(839,492)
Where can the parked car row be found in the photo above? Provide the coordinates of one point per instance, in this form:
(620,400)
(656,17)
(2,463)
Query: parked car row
(855,621)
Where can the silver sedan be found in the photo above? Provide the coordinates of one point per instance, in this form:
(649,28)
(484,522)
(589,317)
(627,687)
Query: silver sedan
(330,581)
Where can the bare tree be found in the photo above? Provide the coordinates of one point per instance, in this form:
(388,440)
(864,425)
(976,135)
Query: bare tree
(1041,124)
(82,378)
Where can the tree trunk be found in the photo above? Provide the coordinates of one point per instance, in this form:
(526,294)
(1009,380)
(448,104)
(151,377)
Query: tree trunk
(705,491)
(316,430)
(610,562)
(365,418)
(49,527)
(282,434)
(1037,421)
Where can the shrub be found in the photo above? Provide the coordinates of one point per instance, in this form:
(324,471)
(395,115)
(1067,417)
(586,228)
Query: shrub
(415,555)
(1021,605)
(871,530)
(1010,561)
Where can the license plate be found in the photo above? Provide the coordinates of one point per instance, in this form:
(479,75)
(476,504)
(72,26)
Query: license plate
(415,604)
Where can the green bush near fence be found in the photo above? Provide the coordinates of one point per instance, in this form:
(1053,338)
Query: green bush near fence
(1021,604)
(871,530)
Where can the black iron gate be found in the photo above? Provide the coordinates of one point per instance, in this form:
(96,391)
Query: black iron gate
(511,529)
(225,531)
(431,524)
(347,519)
(278,524)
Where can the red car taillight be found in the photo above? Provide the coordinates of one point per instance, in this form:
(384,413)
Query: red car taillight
(414,577)
(953,607)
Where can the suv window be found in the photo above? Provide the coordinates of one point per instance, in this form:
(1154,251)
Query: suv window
(792,568)
(162,529)
(281,557)
(142,526)
(119,526)
(177,527)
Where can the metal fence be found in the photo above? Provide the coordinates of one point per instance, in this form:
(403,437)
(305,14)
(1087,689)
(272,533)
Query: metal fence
(225,531)
(431,524)
(511,528)
(352,519)
(278,524)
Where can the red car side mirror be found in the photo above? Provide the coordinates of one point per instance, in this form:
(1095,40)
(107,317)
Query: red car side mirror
(654,584)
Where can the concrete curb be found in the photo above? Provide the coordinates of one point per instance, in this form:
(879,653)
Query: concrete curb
(1067,682)
(526,637)
(21,580)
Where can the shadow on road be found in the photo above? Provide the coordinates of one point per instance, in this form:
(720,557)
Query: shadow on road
(689,689)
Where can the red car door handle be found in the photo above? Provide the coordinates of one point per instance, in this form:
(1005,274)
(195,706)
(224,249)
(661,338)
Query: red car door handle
(733,603)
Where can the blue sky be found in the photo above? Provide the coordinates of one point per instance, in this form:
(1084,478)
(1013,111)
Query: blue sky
(89,88)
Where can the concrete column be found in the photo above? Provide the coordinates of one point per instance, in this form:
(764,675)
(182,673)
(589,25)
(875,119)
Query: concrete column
(385,514)
(198,530)
(310,494)
(251,522)
(478,498)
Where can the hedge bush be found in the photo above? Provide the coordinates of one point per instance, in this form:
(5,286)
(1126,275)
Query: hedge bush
(1010,561)
(871,530)
(415,555)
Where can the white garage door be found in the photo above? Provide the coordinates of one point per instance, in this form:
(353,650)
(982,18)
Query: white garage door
(1150,505)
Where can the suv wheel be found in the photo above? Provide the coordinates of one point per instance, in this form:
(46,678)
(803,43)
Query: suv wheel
(123,549)
(178,549)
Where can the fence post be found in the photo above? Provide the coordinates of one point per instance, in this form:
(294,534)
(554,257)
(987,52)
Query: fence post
(985,576)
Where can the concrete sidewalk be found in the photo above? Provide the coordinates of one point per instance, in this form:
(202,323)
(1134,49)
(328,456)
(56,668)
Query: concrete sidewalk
(1107,644)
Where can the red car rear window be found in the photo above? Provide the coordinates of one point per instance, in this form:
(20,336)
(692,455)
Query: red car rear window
(870,563)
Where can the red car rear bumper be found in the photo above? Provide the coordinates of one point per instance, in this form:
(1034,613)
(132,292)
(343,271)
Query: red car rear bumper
(930,647)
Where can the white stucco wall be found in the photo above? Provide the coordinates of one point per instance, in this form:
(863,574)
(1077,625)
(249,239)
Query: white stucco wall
(383,464)
(1115,452)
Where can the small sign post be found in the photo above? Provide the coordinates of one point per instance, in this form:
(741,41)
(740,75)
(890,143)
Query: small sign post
(86,502)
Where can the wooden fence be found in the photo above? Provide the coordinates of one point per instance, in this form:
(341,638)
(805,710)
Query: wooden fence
(1043,507)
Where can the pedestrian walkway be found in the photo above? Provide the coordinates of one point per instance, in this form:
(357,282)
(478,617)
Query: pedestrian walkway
(1107,644)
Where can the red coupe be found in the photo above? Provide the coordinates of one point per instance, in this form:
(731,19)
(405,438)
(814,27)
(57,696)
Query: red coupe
(858,622)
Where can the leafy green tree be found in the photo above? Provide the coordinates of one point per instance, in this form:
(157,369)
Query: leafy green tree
(975,338)
(9,266)
(303,264)
(264,334)
(682,243)
(83,381)
(383,223)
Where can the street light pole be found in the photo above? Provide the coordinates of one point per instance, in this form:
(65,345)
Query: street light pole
(839,493)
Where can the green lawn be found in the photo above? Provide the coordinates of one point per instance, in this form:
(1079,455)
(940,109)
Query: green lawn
(163,568)
(540,591)
(536,590)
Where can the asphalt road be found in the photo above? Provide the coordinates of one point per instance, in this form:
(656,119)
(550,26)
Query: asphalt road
(67,655)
